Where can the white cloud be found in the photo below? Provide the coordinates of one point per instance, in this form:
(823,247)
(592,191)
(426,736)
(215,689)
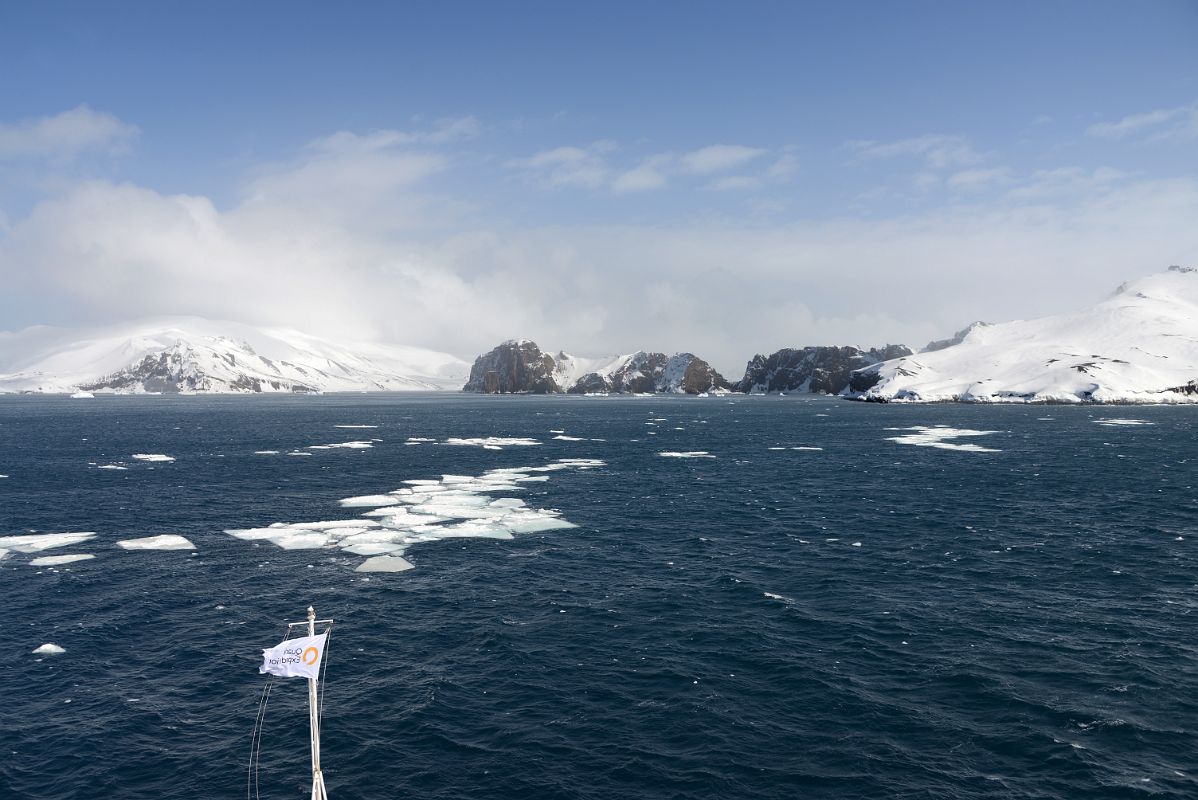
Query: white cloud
(938,151)
(1159,125)
(349,240)
(718,158)
(568,166)
(649,174)
(66,135)
(782,169)
(973,179)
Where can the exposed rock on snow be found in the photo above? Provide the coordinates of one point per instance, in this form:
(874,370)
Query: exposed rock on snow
(184,355)
(1138,346)
(820,370)
(519,366)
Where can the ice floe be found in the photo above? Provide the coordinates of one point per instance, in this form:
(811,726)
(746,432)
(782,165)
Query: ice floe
(343,446)
(686,454)
(49,649)
(354,427)
(55,561)
(491,442)
(1115,421)
(266,452)
(112,466)
(166,541)
(941,436)
(564,438)
(3,476)
(153,457)
(37,542)
(427,510)
(82,395)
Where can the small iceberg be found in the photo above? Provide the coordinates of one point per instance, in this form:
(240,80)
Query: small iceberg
(385,564)
(166,541)
(153,457)
(82,395)
(56,561)
(49,649)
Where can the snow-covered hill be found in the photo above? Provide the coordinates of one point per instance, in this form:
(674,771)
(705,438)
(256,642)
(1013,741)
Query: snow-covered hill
(1138,346)
(189,354)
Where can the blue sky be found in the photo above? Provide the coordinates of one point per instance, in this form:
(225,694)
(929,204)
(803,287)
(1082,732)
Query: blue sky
(600,176)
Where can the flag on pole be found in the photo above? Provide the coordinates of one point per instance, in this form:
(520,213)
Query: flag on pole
(294,658)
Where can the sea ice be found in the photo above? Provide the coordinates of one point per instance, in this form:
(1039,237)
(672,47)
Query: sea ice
(369,501)
(492,442)
(54,561)
(687,454)
(153,457)
(36,542)
(426,510)
(342,446)
(267,452)
(384,564)
(355,426)
(49,649)
(564,438)
(1114,421)
(166,541)
(82,395)
(941,437)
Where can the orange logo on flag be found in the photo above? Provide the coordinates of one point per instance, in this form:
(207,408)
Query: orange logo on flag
(315,654)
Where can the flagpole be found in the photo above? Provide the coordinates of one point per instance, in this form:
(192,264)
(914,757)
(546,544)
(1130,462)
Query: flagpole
(318,791)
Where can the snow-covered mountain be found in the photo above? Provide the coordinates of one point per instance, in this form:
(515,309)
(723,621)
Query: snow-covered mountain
(1138,346)
(188,354)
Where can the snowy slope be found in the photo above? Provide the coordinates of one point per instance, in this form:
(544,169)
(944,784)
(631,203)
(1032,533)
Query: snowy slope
(1138,346)
(191,354)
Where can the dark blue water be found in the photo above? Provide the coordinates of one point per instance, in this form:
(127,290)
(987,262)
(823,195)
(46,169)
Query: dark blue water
(1016,624)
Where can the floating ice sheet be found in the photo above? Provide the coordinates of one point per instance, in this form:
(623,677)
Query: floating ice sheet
(1115,421)
(686,454)
(153,457)
(360,445)
(492,442)
(37,542)
(426,510)
(941,436)
(355,426)
(49,649)
(55,561)
(166,541)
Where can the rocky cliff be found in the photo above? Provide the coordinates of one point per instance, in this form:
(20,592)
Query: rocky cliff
(519,366)
(812,369)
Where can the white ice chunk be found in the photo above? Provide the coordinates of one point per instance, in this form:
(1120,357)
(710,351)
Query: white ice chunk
(384,564)
(492,441)
(686,454)
(368,501)
(268,453)
(49,649)
(82,395)
(54,561)
(36,542)
(563,438)
(941,437)
(342,446)
(153,457)
(166,541)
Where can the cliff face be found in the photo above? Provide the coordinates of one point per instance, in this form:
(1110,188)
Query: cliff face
(516,366)
(520,366)
(812,369)
(653,373)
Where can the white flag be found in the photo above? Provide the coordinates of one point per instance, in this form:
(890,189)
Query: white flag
(295,658)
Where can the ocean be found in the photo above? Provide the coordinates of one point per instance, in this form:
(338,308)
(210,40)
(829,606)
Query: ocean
(763,597)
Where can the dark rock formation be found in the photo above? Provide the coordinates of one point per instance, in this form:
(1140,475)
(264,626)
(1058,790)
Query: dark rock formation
(957,338)
(812,369)
(516,366)
(520,366)
(654,373)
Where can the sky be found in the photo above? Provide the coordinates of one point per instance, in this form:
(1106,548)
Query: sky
(719,178)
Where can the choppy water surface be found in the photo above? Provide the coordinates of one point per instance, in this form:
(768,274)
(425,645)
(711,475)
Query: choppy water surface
(808,598)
